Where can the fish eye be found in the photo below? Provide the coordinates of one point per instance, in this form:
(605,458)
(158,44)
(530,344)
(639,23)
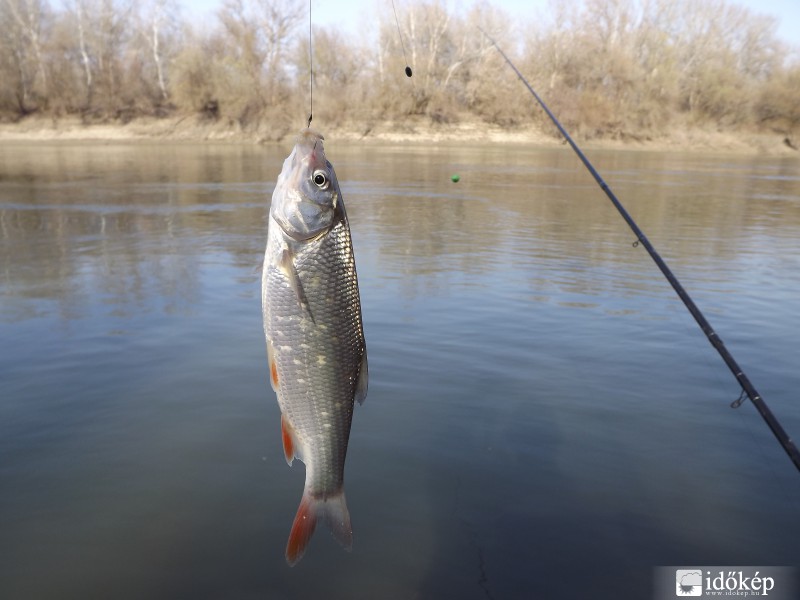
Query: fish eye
(320,179)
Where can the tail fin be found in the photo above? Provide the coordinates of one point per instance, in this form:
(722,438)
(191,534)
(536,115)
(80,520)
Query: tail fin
(332,511)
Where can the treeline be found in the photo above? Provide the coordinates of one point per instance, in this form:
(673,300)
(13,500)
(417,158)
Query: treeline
(608,67)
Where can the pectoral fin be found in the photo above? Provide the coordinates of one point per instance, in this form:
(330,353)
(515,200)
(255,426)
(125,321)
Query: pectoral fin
(290,271)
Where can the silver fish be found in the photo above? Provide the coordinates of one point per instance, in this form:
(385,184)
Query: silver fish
(315,339)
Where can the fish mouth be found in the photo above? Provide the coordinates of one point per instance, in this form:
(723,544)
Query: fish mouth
(309,149)
(303,216)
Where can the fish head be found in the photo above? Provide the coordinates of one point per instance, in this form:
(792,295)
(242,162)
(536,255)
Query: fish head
(306,196)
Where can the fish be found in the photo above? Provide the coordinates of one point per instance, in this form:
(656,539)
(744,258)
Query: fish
(316,352)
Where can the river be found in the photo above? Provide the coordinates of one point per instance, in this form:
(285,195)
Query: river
(544,419)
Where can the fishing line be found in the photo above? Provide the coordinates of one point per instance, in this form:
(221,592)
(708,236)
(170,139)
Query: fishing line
(310,70)
(400,35)
(745,383)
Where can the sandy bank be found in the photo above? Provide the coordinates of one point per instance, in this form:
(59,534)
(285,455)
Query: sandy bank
(196,129)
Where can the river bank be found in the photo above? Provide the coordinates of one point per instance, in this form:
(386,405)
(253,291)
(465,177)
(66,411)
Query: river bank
(197,129)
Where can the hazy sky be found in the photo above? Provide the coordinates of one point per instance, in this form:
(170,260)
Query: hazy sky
(353,15)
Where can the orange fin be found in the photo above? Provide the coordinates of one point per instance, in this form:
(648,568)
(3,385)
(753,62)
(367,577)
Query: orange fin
(288,436)
(332,510)
(302,529)
(273,367)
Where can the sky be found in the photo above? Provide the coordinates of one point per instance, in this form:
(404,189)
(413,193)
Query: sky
(353,15)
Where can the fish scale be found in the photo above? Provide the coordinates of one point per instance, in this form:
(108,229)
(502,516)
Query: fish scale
(315,339)
(310,388)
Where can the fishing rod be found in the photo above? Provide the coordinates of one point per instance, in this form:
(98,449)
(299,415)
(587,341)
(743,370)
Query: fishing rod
(747,387)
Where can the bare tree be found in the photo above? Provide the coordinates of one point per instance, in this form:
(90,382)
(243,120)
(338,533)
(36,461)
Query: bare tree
(100,46)
(258,33)
(341,84)
(160,28)
(21,30)
(427,33)
(477,76)
(609,67)
(198,73)
(78,10)
(777,105)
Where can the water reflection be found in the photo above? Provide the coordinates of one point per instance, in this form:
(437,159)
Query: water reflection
(128,225)
(131,222)
(538,397)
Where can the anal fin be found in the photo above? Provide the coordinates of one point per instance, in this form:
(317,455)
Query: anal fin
(290,450)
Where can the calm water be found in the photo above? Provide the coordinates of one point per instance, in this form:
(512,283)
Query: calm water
(544,419)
